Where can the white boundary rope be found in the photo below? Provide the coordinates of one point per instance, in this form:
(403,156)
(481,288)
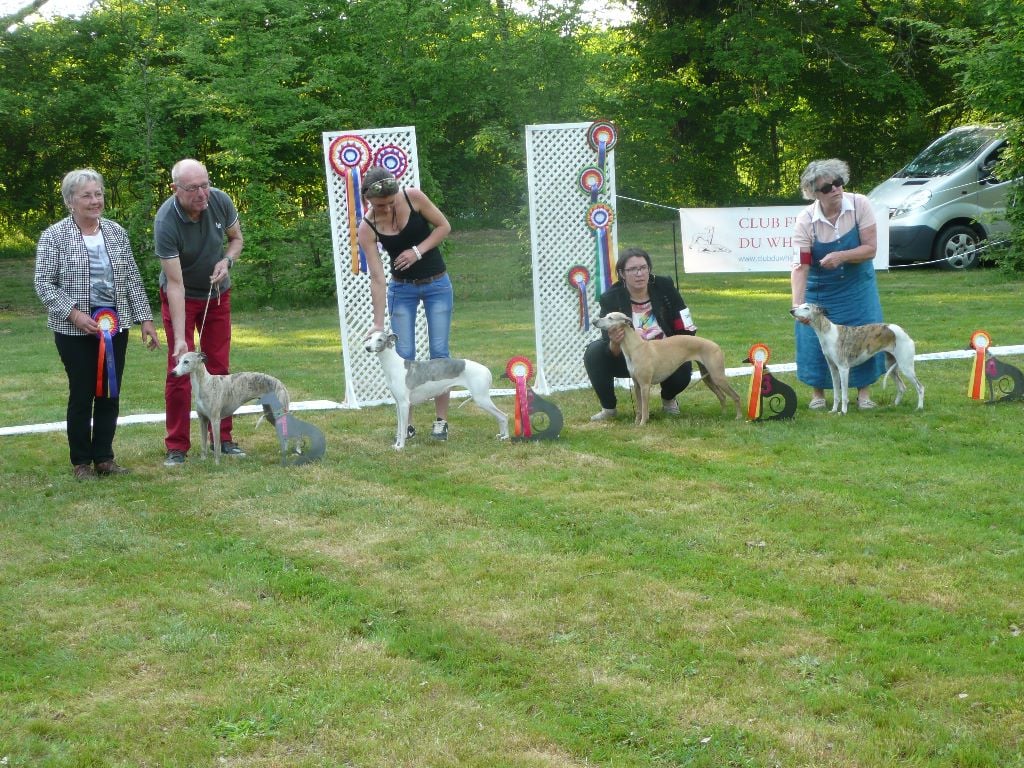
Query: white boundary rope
(330,405)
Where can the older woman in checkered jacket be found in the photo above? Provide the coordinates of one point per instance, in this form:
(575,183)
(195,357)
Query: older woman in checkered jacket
(87,278)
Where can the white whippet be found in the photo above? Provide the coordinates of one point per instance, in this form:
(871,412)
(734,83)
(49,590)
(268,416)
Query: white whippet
(220,395)
(416,381)
(846,346)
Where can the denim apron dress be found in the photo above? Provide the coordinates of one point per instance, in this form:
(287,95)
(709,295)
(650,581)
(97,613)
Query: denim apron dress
(850,295)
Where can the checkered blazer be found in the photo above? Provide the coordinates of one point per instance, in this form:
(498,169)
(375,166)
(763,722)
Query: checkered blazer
(62,275)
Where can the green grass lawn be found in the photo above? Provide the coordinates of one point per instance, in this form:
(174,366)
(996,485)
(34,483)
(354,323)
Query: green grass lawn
(826,591)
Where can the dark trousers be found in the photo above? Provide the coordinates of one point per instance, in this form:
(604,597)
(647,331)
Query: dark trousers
(603,368)
(91,420)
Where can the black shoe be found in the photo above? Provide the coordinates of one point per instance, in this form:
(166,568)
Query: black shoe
(440,430)
(230,448)
(174,458)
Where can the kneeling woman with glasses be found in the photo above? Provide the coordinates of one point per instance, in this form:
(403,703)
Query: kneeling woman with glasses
(657,309)
(409,227)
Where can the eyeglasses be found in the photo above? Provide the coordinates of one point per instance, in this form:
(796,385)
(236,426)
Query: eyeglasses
(637,270)
(382,188)
(195,187)
(826,188)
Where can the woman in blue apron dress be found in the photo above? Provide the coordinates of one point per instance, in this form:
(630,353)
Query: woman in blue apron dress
(847,290)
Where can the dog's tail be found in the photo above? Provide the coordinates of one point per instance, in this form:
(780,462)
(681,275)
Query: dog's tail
(891,360)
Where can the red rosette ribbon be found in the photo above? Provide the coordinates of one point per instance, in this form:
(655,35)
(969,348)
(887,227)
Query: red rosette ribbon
(579,278)
(980,342)
(599,218)
(350,156)
(520,371)
(107,320)
(602,136)
(758,357)
(591,181)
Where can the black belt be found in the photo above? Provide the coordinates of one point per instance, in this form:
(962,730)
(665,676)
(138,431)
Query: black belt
(420,280)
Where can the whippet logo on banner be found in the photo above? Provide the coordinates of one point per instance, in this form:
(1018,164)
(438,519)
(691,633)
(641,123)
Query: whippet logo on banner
(751,239)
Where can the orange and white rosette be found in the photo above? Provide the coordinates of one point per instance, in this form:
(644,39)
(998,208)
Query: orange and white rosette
(980,342)
(758,356)
(520,371)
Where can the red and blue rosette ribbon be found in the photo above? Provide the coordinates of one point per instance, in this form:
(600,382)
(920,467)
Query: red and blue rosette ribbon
(591,181)
(350,157)
(579,278)
(759,354)
(520,370)
(599,218)
(980,342)
(106,318)
(602,136)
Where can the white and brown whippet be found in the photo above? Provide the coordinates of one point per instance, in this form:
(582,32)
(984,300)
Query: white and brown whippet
(220,395)
(846,346)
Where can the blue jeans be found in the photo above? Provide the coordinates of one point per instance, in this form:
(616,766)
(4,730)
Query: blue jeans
(438,301)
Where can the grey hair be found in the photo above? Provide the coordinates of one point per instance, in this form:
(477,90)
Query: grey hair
(824,170)
(76,178)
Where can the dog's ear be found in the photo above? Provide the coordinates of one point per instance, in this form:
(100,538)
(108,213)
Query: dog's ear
(202,358)
(392,339)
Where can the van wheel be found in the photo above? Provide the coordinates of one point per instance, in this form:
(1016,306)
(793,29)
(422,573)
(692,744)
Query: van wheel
(957,247)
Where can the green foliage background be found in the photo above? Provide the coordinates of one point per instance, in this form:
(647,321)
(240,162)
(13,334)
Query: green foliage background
(717,103)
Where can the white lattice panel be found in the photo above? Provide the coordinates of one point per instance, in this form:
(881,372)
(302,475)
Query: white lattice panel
(364,382)
(561,239)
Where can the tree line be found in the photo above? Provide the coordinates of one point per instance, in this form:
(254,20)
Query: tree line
(718,102)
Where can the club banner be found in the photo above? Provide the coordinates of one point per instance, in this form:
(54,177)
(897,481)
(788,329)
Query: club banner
(751,239)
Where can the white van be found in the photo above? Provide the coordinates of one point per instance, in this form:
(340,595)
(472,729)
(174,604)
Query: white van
(946,200)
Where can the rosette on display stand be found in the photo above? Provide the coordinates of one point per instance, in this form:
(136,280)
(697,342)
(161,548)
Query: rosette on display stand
(392,158)
(531,407)
(980,342)
(602,136)
(579,278)
(599,218)
(520,371)
(758,356)
(106,364)
(591,181)
(765,388)
(350,157)
(1001,377)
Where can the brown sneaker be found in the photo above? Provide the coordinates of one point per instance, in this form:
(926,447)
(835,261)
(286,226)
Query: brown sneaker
(84,472)
(110,468)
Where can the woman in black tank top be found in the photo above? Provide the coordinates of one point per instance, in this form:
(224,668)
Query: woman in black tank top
(407,228)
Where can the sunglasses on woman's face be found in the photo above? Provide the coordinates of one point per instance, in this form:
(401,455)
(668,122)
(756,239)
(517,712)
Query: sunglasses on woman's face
(826,188)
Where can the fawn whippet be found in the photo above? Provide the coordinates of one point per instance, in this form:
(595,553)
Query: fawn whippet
(651,362)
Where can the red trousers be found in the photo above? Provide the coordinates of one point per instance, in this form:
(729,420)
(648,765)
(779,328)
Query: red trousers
(215,343)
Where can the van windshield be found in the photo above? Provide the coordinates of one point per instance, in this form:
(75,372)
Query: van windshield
(948,153)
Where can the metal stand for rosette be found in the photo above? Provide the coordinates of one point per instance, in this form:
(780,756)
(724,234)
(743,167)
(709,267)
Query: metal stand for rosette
(1005,379)
(777,397)
(301,442)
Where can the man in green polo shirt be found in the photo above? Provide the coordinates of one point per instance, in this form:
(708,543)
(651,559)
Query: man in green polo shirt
(190,231)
